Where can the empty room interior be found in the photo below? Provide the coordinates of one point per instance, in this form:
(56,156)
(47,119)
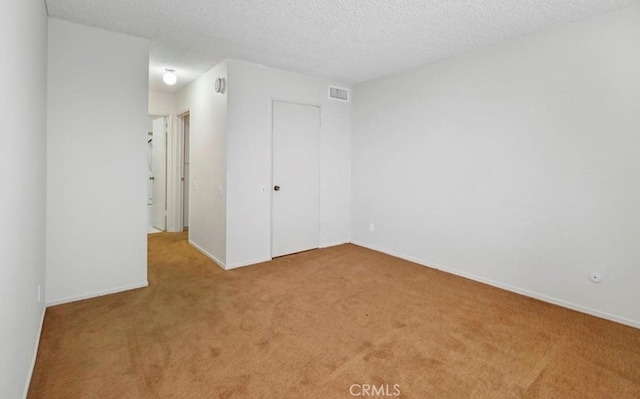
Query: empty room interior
(320,199)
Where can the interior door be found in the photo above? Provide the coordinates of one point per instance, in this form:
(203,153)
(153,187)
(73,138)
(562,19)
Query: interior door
(296,178)
(159,173)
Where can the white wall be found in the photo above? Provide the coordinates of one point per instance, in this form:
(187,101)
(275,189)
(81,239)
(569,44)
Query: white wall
(251,90)
(208,124)
(229,215)
(517,165)
(96,162)
(23,40)
(161,103)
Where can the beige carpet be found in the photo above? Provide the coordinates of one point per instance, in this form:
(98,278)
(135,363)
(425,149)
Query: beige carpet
(319,324)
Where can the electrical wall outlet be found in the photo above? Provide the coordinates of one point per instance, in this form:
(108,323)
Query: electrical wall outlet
(371,227)
(39,293)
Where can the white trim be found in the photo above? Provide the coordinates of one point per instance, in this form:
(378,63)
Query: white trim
(249,263)
(174,174)
(98,293)
(507,287)
(208,255)
(174,163)
(333,244)
(180,191)
(271,184)
(294,102)
(35,355)
(168,199)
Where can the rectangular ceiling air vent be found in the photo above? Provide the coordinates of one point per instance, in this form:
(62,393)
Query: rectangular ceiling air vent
(337,93)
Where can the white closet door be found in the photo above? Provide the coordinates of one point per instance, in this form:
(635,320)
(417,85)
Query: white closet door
(296,178)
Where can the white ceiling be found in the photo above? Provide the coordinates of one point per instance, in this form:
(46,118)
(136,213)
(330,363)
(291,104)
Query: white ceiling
(347,40)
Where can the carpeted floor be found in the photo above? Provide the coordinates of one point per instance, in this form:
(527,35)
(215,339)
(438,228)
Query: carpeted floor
(329,323)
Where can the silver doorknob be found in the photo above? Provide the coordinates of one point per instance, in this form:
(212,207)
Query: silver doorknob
(276,188)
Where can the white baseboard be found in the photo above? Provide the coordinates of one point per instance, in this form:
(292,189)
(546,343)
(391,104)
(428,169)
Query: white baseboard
(261,260)
(208,255)
(507,287)
(98,293)
(35,354)
(248,263)
(333,244)
(224,266)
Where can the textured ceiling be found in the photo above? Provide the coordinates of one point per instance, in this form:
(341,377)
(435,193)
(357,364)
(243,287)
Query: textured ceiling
(347,40)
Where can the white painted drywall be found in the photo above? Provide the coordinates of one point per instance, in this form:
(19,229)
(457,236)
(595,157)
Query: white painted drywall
(161,103)
(251,90)
(23,79)
(208,126)
(516,164)
(96,162)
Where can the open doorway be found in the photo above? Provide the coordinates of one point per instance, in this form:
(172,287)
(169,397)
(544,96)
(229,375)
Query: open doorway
(169,173)
(157,169)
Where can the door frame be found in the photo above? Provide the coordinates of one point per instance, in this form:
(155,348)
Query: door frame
(270,188)
(183,172)
(175,172)
(175,144)
(178,216)
(166,164)
(174,186)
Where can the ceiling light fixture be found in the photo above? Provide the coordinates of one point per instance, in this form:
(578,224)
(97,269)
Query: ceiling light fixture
(170,77)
